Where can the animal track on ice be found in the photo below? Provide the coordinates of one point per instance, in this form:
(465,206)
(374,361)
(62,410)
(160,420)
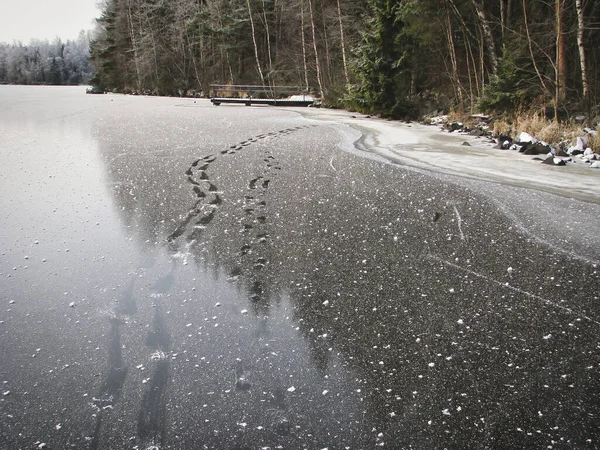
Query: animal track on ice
(207,192)
(255,217)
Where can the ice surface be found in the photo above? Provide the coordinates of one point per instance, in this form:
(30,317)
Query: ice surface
(427,148)
(358,336)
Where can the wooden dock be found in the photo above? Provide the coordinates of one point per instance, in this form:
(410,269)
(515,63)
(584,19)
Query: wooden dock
(249,95)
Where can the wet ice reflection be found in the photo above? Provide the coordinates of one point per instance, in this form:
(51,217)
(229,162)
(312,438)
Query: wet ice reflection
(263,287)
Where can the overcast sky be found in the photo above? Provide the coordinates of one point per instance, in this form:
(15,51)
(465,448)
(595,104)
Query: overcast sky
(45,19)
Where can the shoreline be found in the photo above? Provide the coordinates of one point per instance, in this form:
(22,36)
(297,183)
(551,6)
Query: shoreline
(564,220)
(429,148)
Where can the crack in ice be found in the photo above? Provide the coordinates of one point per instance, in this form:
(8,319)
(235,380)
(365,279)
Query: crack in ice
(512,288)
(459,220)
(331,164)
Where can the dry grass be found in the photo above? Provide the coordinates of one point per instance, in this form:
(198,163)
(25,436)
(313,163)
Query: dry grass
(502,126)
(554,133)
(462,117)
(547,130)
(544,129)
(594,143)
(536,125)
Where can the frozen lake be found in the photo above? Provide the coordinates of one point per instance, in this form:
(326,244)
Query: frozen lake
(176,275)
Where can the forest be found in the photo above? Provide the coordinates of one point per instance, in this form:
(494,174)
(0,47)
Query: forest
(397,58)
(44,62)
(392,57)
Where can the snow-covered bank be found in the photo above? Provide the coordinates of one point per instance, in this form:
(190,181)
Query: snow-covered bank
(556,206)
(428,148)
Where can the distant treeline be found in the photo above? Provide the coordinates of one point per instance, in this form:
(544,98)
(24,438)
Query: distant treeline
(44,62)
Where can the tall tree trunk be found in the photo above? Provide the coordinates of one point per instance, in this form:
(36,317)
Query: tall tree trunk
(260,72)
(327,68)
(482,59)
(468,53)
(202,58)
(452,49)
(314,36)
(279,15)
(135,47)
(508,12)
(531,53)
(343,44)
(154,52)
(580,43)
(561,57)
(193,57)
(469,48)
(224,63)
(487,35)
(475,74)
(303,45)
(268,32)
(502,20)
(505,16)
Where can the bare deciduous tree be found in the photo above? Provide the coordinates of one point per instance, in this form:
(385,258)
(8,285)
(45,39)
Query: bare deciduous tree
(314,36)
(585,88)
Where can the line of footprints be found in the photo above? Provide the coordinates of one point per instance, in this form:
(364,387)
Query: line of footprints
(208,196)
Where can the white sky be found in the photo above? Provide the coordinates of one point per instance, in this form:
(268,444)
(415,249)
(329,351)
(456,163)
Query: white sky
(45,19)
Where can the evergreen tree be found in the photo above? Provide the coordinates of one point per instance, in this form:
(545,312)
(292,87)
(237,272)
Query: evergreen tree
(381,56)
(380,63)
